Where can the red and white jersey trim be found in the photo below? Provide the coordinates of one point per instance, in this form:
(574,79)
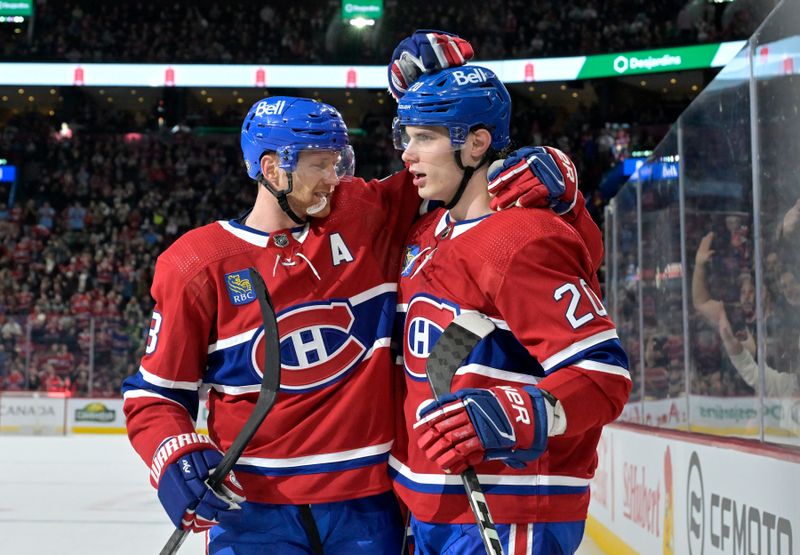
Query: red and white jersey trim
(258,239)
(325,458)
(595,366)
(232,341)
(161,382)
(575,348)
(497,374)
(520,539)
(494,479)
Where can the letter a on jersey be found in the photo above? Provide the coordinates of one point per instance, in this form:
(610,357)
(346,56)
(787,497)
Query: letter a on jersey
(339,251)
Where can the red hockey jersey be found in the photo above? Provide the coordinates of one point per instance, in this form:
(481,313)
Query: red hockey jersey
(333,283)
(532,274)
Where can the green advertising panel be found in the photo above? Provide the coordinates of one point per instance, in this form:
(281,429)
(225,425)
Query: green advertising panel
(16,7)
(369,9)
(648,61)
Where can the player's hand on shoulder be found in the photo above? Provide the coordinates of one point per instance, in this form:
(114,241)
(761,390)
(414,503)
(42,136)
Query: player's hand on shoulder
(534,177)
(474,425)
(425,51)
(180,470)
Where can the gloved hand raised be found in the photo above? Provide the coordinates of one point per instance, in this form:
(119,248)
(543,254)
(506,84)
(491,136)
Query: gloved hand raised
(532,177)
(425,51)
(180,471)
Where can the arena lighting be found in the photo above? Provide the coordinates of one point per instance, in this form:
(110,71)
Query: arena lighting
(361,22)
(316,77)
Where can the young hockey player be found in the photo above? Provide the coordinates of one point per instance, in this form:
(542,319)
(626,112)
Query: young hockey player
(530,401)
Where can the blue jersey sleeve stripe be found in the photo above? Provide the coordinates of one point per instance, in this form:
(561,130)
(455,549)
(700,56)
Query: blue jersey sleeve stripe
(189,400)
(608,352)
(558,359)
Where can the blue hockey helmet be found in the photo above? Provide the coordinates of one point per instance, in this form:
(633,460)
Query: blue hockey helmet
(287,125)
(460,99)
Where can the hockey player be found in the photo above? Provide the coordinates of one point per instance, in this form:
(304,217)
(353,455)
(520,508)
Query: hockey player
(315,472)
(530,401)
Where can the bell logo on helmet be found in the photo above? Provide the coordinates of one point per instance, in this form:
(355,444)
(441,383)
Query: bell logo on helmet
(267,109)
(415,86)
(475,75)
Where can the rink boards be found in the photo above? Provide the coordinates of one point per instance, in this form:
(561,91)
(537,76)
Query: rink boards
(676,493)
(42,413)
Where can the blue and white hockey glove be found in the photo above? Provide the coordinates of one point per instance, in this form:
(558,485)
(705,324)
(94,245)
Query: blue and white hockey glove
(475,425)
(180,470)
(425,51)
(539,176)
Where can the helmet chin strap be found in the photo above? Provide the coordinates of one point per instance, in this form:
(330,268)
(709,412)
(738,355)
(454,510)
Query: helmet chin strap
(283,202)
(468,171)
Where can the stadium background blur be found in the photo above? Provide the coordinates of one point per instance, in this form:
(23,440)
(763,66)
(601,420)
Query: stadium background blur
(109,177)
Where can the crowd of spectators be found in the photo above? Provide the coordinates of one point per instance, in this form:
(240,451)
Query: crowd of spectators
(78,248)
(306,31)
(94,208)
(723,329)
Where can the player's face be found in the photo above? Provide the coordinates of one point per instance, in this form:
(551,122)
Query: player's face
(314,180)
(430,159)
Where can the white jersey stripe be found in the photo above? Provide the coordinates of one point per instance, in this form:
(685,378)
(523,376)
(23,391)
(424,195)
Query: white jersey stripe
(244,235)
(146,393)
(325,458)
(372,293)
(512,539)
(161,382)
(595,366)
(529,547)
(497,374)
(493,479)
(576,348)
(232,341)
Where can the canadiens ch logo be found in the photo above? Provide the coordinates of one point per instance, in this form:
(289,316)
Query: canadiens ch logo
(240,288)
(317,346)
(426,319)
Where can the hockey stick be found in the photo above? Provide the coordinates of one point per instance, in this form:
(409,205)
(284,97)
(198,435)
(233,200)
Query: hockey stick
(266,398)
(454,345)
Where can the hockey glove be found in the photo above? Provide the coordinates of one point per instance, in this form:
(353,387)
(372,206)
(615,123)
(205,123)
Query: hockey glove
(539,176)
(425,51)
(475,425)
(180,470)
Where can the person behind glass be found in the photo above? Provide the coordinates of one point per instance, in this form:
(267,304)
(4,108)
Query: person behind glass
(783,381)
(554,360)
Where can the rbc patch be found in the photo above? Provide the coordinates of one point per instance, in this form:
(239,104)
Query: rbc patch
(240,288)
(412,251)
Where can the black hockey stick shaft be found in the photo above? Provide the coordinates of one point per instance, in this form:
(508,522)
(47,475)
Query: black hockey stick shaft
(266,398)
(453,347)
